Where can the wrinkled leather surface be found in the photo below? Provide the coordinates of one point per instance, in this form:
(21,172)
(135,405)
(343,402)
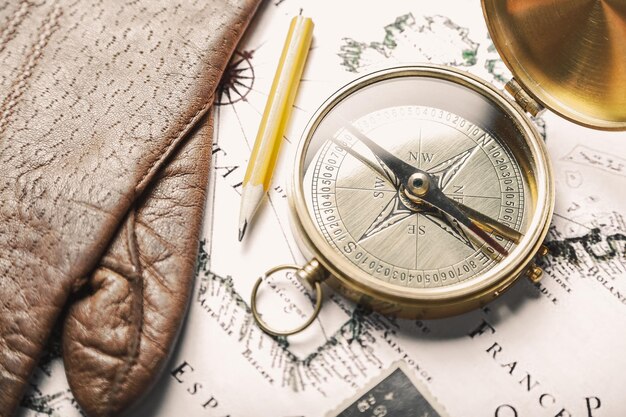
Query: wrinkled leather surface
(117,338)
(103,165)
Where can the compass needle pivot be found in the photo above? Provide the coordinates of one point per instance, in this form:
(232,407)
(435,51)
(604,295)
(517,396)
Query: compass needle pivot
(421,191)
(424,191)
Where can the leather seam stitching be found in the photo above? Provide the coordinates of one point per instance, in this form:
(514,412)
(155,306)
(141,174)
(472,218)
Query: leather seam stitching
(47,28)
(175,140)
(16,19)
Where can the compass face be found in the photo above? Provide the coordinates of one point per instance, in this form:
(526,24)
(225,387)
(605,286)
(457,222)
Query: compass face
(370,220)
(418,183)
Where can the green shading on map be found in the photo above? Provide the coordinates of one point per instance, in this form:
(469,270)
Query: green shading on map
(429,38)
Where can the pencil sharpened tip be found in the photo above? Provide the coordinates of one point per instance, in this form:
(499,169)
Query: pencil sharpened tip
(242,230)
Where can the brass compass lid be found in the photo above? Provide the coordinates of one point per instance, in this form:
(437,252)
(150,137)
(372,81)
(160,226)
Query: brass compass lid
(569,54)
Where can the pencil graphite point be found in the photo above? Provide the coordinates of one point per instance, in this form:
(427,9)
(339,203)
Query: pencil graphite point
(242,229)
(251,198)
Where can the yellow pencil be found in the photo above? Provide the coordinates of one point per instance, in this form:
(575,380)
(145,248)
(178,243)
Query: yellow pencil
(258,176)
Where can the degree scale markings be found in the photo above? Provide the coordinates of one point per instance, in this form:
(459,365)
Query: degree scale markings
(339,234)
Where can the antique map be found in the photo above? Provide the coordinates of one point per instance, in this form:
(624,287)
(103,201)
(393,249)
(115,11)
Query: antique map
(551,349)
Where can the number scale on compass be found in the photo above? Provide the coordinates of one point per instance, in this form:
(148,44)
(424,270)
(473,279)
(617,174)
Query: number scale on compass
(423,191)
(364,213)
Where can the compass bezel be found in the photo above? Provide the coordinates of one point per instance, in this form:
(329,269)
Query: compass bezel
(440,301)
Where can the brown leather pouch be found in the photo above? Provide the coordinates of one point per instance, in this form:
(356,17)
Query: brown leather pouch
(104,154)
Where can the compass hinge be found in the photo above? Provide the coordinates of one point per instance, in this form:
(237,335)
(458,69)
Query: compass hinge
(525,100)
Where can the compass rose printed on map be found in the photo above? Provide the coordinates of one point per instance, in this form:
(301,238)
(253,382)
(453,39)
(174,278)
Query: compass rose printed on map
(238,79)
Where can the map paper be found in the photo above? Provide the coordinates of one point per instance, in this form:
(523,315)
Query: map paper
(554,349)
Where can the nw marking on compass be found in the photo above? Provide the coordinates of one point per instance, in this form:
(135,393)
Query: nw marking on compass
(399,208)
(238,79)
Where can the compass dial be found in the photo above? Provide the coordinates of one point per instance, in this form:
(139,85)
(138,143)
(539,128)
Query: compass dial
(423,191)
(367,216)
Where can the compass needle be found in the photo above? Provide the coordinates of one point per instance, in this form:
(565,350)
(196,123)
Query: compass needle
(488,224)
(432,194)
(376,167)
(421,191)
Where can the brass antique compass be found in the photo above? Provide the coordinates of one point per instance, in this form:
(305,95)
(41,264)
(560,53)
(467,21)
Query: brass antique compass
(423,191)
